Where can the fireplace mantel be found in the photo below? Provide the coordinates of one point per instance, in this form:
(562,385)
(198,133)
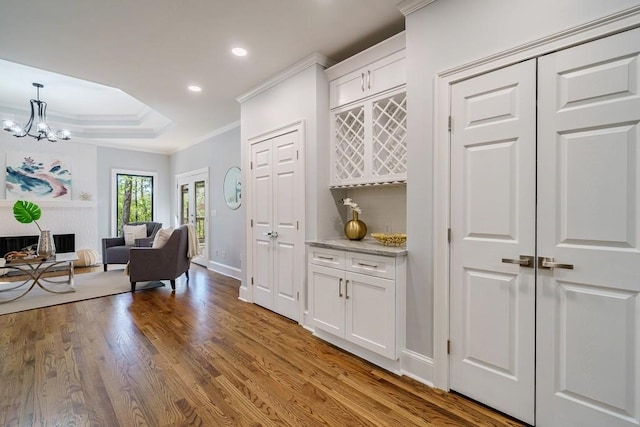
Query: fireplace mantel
(54,203)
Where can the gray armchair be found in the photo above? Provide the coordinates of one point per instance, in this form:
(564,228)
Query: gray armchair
(165,263)
(114,250)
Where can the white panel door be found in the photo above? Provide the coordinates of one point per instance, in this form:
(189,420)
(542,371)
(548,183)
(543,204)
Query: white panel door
(262,215)
(492,308)
(588,330)
(275,205)
(285,204)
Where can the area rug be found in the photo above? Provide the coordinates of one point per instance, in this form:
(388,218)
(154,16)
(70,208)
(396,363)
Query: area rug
(87,285)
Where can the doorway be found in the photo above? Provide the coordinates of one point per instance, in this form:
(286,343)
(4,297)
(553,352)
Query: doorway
(193,208)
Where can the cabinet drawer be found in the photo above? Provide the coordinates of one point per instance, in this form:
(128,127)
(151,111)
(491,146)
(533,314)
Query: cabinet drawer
(327,257)
(372,265)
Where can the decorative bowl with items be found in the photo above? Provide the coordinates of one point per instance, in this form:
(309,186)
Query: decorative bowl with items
(390,239)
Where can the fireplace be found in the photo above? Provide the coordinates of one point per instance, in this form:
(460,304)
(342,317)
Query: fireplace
(64,243)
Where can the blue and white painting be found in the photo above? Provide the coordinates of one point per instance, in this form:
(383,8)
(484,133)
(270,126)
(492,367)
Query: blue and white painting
(38,176)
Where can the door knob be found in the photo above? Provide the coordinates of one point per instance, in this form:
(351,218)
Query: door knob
(549,264)
(271,234)
(524,261)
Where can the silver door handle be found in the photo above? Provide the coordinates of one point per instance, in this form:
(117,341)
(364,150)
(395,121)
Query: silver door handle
(362,264)
(524,261)
(271,234)
(362,82)
(369,79)
(340,287)
(346,289)
(549,264)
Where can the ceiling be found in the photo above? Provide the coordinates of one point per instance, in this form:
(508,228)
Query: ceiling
(116,72)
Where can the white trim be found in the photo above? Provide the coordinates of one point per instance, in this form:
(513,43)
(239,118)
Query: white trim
(246,292)
(192,173)
(416,366)
(303,64)
(191,177)
(409,6)
(114,195)
(225,270)
(54,203)
(598,28)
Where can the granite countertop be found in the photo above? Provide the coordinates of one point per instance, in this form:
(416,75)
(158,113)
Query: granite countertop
(365,246)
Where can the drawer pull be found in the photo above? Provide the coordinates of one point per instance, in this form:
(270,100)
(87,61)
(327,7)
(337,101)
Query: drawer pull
(329,258)
(340,287)
(362,264)
(346,289)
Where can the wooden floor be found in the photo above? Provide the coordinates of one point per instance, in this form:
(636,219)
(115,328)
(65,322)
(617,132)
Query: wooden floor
(199,357)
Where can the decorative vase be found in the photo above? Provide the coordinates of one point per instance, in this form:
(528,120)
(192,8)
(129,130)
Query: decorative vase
(355,229)
(46,247)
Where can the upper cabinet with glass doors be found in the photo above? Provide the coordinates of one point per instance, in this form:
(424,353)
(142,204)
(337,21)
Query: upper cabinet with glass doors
(368,101)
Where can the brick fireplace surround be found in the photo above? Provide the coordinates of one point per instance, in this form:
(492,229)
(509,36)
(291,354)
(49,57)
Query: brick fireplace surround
(61,217)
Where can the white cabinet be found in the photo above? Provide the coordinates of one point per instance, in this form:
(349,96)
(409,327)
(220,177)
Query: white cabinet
(382,75)
(369,117)
(355,297)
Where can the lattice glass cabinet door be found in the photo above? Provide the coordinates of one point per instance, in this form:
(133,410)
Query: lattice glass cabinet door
(349,145)
(389,145)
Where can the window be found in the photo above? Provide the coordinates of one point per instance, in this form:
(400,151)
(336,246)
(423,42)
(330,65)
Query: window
(133,197)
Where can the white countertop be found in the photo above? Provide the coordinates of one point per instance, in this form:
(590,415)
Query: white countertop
(366,246)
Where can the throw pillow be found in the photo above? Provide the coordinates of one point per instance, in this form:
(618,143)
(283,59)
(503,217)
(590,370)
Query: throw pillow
(133,232)
(161,237)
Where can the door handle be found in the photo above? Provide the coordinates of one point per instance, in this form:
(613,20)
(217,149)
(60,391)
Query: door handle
(369,79)
(346,289)
(362,82)
(271,234)
(524,261)
(340,287)
(549,264)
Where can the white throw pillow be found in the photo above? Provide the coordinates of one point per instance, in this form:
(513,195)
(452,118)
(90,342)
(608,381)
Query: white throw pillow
(161,237)
(3,271)
(133,232)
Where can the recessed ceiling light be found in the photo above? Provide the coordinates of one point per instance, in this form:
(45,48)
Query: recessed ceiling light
(238,51)
(194,88)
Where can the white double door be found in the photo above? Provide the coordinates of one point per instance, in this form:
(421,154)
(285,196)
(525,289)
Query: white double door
(277,201)
(545,218)
(193,208)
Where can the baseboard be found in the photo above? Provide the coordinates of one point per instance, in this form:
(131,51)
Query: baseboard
(416,366)
(225,270)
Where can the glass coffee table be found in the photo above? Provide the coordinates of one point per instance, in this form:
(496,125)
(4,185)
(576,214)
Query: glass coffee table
(34,269)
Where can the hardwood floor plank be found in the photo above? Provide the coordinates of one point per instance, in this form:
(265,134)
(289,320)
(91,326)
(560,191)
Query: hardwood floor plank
(200,357)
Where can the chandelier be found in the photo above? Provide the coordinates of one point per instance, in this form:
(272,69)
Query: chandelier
(39,120)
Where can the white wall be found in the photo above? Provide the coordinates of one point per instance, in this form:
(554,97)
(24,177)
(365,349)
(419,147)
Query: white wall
(440,36)
(61,217)
(226,231)
(114,158)
(302,96)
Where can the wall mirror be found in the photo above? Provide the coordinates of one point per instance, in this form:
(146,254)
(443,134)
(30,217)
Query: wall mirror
(232,190)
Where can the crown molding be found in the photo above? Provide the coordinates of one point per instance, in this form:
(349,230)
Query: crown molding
(410,6)
(303,64)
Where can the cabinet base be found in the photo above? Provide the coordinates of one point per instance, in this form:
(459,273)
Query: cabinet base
(381,361)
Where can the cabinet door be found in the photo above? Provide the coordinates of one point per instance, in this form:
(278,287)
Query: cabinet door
(389,138)
(370,313)
(348,88)
(385,74)
(326,299)
(348,152)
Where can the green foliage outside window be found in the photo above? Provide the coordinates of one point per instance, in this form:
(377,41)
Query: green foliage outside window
(135,199)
